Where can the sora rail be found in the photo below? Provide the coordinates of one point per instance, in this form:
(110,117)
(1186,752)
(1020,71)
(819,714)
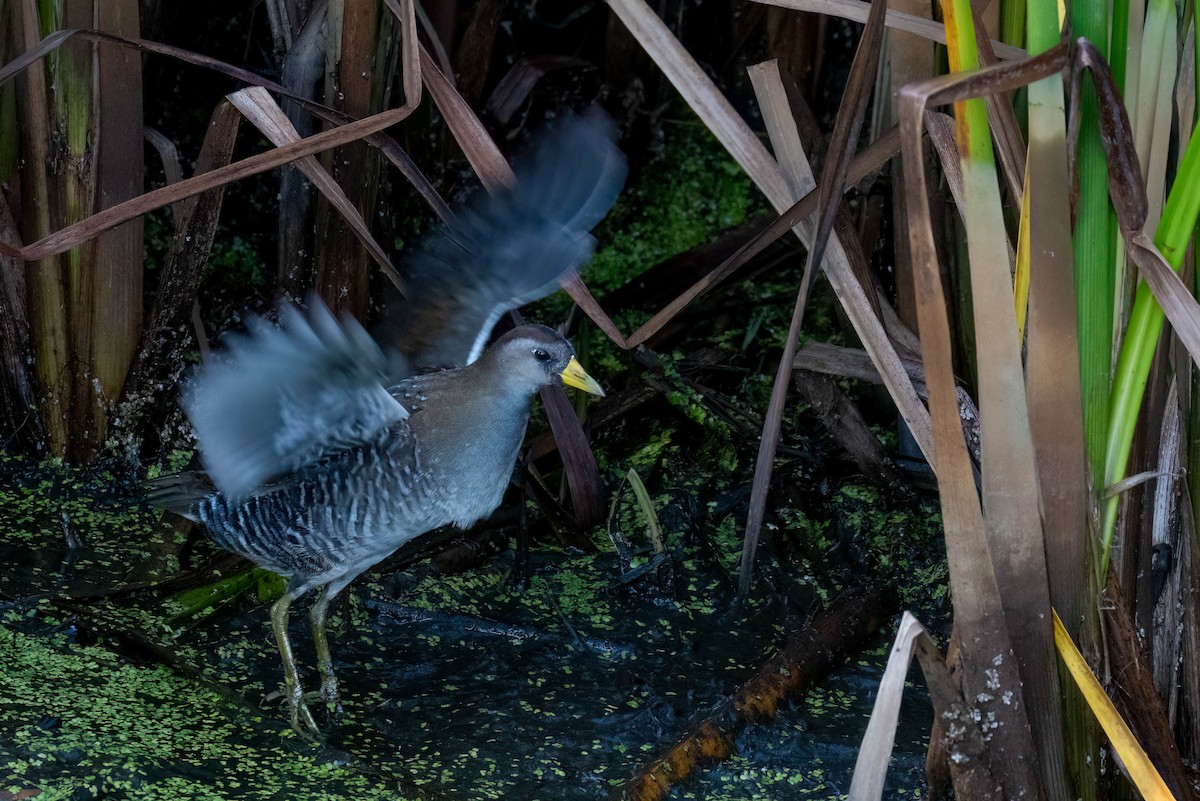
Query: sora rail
(324,452)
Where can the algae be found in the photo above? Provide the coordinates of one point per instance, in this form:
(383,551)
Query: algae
(80,721)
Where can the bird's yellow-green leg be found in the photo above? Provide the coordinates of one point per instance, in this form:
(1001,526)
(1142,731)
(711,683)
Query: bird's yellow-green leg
(300,713)
(329,684)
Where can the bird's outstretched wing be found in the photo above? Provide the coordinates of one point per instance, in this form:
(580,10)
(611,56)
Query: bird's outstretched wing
(280,398)
(509,248)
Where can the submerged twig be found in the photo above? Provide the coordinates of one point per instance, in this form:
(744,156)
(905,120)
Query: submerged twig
(802,661)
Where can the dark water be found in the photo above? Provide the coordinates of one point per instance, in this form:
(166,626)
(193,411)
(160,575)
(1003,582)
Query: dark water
(455,687)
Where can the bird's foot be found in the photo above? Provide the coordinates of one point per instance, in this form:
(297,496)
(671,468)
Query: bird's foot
(330,694)
(302,719)
(516,577)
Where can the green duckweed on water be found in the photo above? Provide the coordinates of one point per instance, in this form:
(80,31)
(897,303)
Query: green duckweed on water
(79,721)
(456,682)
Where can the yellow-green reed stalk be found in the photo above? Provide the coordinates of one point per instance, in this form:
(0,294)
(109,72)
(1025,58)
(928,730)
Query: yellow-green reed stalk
(1095,279)
(1012,22)
(1174,231)
(1118,53)
(75,115)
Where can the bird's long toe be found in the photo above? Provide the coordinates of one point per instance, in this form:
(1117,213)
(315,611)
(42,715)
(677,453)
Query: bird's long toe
(301,718)
(303,721)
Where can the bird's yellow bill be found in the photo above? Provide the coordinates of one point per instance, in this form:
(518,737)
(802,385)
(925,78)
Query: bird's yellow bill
(576,376)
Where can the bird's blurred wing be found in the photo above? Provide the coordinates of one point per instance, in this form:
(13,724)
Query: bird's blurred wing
(574,171)
(509,248)
(280,398)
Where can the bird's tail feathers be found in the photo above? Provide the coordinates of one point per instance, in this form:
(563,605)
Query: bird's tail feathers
(178,492)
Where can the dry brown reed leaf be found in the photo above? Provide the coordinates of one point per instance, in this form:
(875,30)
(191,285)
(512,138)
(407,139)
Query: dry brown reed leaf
(870,767)
(839,360)
(573,285)
(704,98)
(515,87)
(979,606)
(1009,486)
(782,128)
(482,154)
(168,154)
(1002,117)
(1128,193)
(76,233)
(904,60)
(161,351)
(1177,302)
(858,11)
(257,106)
(1052,369)
(1125,184)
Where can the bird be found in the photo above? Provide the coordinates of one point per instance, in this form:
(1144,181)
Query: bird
(324,450)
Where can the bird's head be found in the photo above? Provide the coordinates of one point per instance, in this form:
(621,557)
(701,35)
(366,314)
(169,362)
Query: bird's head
(533,356)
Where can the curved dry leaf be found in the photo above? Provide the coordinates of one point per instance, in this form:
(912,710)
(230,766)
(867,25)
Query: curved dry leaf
(858,11)
(870,767)
(1172,294)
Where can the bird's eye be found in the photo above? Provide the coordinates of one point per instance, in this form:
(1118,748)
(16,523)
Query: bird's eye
(541,355)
